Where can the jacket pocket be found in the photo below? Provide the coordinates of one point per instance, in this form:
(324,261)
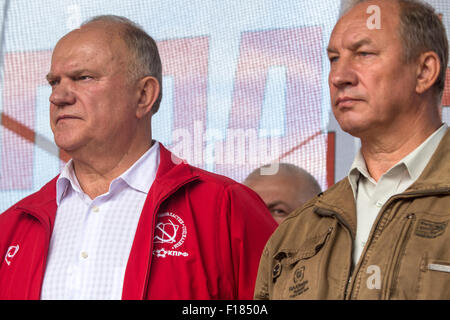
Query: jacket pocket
(431,236)
(434,279)
(295,270)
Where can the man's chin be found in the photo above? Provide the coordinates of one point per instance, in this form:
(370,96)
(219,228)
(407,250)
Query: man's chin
(356,130)
(354,123)
(67,146)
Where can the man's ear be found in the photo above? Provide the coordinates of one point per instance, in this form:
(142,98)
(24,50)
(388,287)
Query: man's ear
(428,70)
(149,89)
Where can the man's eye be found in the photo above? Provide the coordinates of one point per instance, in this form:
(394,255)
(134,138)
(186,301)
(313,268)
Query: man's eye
(333,59)
(279,212)
(83,77)
(52,81)
(364,53)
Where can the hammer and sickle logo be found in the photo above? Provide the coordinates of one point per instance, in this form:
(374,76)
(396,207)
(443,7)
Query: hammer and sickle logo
(166,232)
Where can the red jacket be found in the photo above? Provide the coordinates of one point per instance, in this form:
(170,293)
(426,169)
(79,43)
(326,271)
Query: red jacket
(200,236)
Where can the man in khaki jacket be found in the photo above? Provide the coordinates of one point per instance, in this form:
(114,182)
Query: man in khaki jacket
(383,232)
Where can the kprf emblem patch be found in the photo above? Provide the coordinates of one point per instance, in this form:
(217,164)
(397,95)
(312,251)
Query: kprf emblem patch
(170,234)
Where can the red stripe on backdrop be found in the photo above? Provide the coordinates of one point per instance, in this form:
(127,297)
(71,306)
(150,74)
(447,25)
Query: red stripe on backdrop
(18,128)
(331,155)
(283,155)
(446,95)
(26,133)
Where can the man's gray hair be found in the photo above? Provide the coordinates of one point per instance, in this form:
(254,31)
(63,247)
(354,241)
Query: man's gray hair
(144,57)
(421,30)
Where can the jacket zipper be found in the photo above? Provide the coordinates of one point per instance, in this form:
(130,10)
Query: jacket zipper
(349,274)
(326,212)
(158,204)
(331,213)
(405,195)
(393,268)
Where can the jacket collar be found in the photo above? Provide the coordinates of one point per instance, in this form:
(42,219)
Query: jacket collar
(339,200)
(172,173)
(41,204)
(436,175)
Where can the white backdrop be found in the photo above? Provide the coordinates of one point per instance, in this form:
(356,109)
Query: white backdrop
(245,83)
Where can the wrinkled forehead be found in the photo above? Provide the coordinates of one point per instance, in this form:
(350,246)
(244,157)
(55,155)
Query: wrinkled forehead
(103,35)
(368,19)
(375,14)
(91,42)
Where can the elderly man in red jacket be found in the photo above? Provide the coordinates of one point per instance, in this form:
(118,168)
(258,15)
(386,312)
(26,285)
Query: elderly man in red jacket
(124,220)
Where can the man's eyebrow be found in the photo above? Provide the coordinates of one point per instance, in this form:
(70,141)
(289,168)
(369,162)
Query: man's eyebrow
(360,43)
(50,77)
(275,203)
(331,50)
(72,73)
(353,46)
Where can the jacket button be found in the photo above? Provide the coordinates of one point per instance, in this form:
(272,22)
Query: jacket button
(276,270)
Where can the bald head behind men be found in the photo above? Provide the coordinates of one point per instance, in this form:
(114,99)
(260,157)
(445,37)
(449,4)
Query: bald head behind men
(284,191)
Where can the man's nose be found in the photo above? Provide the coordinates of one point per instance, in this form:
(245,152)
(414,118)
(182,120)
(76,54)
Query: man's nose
(342,73)
(62,95)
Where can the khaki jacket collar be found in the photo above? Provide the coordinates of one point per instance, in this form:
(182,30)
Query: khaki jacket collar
(339,200)
(436,175)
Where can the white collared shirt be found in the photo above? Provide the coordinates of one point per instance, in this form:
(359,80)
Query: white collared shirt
(92,239)
(370,195)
